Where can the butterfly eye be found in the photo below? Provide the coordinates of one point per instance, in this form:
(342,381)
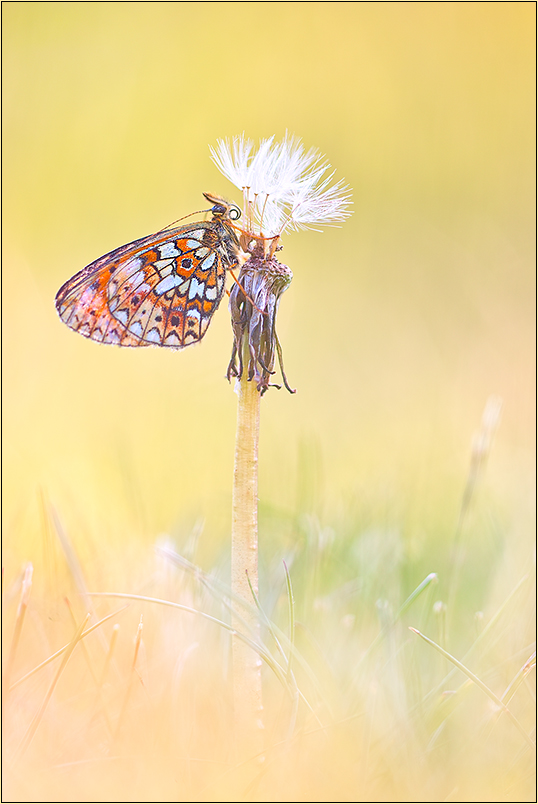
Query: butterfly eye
(218,209)
(235,213)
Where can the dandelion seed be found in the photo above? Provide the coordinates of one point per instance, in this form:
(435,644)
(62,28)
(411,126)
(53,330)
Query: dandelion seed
(285,187)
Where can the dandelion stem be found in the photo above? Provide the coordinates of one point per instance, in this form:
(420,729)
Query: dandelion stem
(246,662)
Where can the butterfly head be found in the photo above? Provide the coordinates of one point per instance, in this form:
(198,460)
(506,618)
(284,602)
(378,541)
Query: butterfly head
(222,209)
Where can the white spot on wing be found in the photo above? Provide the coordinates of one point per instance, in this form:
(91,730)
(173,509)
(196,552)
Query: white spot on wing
(208,262)
(211,293)
(136,328)
(167,283)
(196,288)
(166,263)
(137,279)
(169,250)
(172,339)
(154,335)
(112,336)
(122,315)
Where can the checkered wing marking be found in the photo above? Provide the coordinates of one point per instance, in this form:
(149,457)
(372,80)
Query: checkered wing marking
(158,291)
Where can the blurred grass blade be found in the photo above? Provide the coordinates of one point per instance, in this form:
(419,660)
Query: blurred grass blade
(291,683)
(431,578)
(108,660)
(479,684)
(491,622)
(223,594)
(291,605)
(110,653)
(19,620)
(216,588)
(267,622)
(274,630)
(65,647)
(521,674)
(132,675)
(260,649)
(71,558)
(83,644)
(32,728)
(480,449)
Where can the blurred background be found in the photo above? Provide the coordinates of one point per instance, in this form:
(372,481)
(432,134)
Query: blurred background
(397,327)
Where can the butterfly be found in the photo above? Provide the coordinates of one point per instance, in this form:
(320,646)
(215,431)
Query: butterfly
(160,290)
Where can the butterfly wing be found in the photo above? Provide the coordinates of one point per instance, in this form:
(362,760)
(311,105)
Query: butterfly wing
(160,290)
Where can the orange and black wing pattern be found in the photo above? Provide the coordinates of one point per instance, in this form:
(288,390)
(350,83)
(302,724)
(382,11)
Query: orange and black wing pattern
(161,290)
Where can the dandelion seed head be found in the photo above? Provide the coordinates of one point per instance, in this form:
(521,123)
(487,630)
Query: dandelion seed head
(285,187)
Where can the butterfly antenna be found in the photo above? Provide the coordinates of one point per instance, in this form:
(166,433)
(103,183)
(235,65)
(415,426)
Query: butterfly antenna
(198,212)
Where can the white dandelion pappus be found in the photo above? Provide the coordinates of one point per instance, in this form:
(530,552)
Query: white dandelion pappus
(285,187)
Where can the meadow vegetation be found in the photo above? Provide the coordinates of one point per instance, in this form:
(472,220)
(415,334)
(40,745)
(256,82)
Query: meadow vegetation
(357,706)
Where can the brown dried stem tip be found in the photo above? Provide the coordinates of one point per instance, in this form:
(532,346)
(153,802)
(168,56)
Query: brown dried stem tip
(254,303)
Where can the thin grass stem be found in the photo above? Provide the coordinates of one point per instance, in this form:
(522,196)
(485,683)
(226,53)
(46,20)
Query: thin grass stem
(19,621)
(63,650)
(132,675)
(479,683)
(32,728)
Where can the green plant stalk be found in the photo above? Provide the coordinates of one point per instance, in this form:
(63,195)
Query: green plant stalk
(246,663)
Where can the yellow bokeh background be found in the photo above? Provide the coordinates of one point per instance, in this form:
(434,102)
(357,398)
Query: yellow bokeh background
(397,328)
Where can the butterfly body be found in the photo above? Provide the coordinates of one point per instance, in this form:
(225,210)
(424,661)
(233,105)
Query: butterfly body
(160,290)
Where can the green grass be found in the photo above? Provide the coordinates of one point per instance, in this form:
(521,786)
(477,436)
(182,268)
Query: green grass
(357,706)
